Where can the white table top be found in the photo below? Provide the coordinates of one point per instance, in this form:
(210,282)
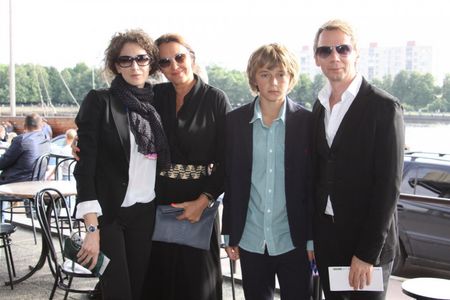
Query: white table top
(429,288)
(28,189)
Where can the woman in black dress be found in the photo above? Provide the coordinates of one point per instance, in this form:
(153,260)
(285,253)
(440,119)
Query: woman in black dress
(193,116)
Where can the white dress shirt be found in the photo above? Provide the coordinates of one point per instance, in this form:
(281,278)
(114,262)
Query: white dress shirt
(333,117)
(141,183)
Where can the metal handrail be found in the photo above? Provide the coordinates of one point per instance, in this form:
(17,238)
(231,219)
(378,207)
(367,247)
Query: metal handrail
(425,199)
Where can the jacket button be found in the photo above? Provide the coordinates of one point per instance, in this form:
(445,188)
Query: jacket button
(124,184)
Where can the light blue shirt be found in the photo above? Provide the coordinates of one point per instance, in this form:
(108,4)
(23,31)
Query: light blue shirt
(267,222)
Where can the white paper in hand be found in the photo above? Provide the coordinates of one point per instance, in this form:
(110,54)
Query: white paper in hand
(339,279)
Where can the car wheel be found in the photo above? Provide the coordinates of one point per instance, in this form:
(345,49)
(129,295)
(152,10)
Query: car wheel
(399,259)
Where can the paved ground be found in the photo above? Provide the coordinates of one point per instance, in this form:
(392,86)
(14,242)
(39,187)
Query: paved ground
(25,252)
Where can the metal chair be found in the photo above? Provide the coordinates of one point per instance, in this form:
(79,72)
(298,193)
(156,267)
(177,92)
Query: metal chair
(64,167)
(52,210)
(38,173)
(5,232)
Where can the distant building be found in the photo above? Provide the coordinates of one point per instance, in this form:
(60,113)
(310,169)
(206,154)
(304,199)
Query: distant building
(377,62)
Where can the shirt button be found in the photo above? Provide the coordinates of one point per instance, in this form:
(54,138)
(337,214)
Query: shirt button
(270,170)
(270,150)
(270,191)
(268,211)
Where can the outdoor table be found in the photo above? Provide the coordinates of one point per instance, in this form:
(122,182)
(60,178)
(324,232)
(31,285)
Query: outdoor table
(29,189)
(426,288)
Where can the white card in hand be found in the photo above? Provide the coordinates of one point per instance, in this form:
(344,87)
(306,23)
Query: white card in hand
(339,279)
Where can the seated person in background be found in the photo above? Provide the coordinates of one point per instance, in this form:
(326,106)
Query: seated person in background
(66,150)
(10,137)
(3,136)
(8,126)
(17,162)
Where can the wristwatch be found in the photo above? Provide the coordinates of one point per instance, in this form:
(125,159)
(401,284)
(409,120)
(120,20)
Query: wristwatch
(92,228)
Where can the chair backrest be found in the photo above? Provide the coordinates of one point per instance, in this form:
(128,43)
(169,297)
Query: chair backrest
(40,167)
(56,224)
(64,169)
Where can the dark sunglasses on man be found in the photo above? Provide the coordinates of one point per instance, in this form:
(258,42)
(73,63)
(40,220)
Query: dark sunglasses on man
(166,61)
(342,50)
(127,61)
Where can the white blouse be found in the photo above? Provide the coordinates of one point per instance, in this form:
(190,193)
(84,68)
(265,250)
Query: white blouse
(141,183)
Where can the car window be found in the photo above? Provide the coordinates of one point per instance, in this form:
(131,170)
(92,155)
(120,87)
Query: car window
(427,181)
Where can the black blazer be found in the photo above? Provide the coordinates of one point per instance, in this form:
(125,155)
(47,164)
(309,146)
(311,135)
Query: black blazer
(238,168)
(104,142)
(362,173)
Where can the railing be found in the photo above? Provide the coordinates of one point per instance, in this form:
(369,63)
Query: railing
(425,199)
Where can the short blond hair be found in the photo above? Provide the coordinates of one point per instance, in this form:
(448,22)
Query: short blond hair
(336,24)
(271,56)
(71,134)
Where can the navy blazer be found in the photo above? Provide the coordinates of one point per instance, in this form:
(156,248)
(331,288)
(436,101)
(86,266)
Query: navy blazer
(18,161)
(238,168)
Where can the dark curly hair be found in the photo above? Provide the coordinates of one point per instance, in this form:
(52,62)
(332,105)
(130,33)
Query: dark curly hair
(137,36)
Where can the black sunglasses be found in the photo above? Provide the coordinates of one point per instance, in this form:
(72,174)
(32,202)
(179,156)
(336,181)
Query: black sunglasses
(325,51)
(166,61)
(127,61)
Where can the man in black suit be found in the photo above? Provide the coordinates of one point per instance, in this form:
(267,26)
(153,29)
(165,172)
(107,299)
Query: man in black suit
(358,157)
(267,203)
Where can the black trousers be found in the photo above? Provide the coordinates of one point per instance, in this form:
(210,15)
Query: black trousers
(127,242)
(259,270)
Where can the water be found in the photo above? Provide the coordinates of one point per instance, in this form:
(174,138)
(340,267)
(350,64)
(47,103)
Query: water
(428,137)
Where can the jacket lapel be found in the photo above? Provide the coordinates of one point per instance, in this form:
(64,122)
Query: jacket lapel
(319,134)
(354,114)
(290,133)
(247,132)
(120,117)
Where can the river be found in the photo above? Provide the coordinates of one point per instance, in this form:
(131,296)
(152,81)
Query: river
(434,137)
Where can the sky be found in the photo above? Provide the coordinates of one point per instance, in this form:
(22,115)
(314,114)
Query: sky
(62,33)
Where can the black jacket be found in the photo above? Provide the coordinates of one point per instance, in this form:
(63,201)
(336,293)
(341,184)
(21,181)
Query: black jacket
(362,174)
(103,139)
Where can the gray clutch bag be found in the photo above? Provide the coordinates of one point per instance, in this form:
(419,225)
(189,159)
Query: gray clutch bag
(170,230)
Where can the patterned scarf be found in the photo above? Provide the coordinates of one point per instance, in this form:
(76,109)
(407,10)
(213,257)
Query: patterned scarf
(145,123)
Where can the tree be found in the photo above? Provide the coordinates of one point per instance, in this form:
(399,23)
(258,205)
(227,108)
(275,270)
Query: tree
(232,82)
(446,88)
(384,84)
(439,105)
(27,91)
(400,87)
(57,91)
(414,89)
(4,84)
(422,89)
(302,92)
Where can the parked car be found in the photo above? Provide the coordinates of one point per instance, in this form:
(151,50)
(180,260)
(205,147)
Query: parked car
(424,212)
